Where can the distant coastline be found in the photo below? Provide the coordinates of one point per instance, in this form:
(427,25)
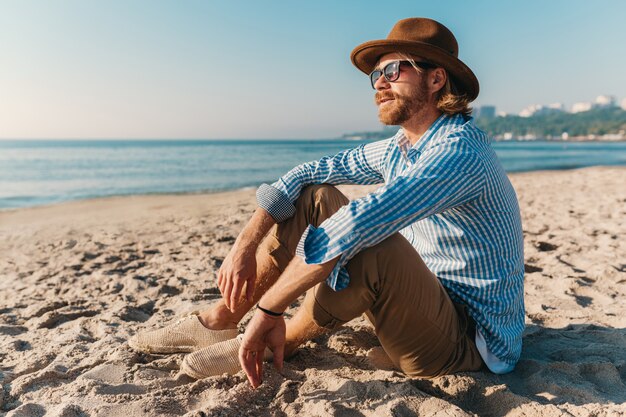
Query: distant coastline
(596,125)
(370,136)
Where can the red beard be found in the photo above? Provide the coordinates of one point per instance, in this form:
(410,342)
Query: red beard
(400,108)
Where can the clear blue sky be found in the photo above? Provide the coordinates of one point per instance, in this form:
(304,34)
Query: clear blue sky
(276,69)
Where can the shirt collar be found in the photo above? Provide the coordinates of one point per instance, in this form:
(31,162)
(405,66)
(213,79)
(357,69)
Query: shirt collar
(440,128)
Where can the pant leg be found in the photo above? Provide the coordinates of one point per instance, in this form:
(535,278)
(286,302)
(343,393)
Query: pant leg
(415,320)
(418,325)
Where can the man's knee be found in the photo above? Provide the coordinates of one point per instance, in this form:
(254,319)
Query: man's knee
(317,192)
(318,313)
(320,194)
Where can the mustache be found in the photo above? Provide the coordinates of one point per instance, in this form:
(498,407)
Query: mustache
(380,96)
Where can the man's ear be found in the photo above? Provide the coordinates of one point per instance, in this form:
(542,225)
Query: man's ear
(440,76)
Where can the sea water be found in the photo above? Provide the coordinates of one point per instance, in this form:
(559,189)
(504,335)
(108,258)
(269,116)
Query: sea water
(36,172)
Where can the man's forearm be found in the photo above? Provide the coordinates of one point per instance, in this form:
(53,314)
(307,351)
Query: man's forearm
(297,278)
(255,230)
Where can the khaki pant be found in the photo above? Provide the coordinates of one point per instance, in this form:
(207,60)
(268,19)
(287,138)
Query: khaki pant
(424,333)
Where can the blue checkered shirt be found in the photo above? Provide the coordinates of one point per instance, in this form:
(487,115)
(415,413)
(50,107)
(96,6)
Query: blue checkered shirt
(450,198)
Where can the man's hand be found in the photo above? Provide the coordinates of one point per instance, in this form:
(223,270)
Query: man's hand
(239,267)
(262,331)
(237,270)
(265,330)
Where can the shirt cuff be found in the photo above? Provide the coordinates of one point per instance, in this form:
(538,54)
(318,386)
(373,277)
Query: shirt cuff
(313,248)
(275,203)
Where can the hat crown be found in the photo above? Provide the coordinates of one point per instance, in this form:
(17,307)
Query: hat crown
(428,31)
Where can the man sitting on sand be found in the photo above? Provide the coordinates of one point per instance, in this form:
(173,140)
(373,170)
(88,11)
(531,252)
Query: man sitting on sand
(434,257)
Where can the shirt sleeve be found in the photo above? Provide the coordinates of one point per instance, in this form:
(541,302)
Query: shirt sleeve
(361,165)
(445,176)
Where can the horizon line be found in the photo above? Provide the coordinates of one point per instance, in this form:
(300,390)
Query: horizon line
(163,139)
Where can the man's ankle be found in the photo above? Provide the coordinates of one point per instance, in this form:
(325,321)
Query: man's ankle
(218,318)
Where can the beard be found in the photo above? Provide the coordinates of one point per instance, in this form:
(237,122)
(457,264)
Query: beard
(402,107)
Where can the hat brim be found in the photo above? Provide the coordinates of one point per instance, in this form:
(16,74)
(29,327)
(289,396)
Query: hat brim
(366,56)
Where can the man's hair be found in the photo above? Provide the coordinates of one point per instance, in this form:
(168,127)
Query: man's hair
(449,99)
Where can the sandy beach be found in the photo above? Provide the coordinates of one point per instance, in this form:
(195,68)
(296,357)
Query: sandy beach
(78,279)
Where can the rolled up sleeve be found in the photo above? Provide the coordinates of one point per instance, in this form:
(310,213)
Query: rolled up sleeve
(275,202)
(361,165)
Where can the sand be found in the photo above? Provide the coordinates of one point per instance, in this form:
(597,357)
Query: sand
(78,279)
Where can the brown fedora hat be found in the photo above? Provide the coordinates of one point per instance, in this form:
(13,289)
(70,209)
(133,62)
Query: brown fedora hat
(425,38)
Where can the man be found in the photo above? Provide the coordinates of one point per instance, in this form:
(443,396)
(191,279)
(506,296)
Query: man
(434,257)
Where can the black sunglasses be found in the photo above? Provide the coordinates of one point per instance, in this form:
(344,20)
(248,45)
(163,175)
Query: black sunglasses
(391,71)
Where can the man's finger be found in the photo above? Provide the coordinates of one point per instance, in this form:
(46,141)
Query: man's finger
(220,279)
(279,356)
(248,364)
(226,294)
(259,366)
(235,293)
(250,288)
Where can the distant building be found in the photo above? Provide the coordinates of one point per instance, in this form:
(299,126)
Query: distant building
(581,107)
(605,101)
(559,107)
(530,110)
(541,110)
(624,104)
(601,102)
(485,112)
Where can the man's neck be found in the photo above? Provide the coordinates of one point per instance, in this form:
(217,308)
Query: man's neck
(416,126)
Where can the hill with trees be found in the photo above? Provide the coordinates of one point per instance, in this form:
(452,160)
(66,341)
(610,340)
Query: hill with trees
(598,124)
(593,123)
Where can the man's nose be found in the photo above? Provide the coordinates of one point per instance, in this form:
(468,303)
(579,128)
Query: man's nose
(381,83)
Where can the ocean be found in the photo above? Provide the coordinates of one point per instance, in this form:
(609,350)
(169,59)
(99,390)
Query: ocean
(37,172)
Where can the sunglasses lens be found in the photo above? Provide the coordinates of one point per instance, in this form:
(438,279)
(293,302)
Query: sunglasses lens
(392,71)
(374,76)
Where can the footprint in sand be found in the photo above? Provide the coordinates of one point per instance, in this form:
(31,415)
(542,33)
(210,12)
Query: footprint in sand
(13,330)
(226,238)
(55,318)
(532,268)
(545,246)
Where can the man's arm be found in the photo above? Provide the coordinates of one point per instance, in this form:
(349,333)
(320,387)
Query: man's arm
(266,330)
(239,267)
(295,281)
(362,165)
